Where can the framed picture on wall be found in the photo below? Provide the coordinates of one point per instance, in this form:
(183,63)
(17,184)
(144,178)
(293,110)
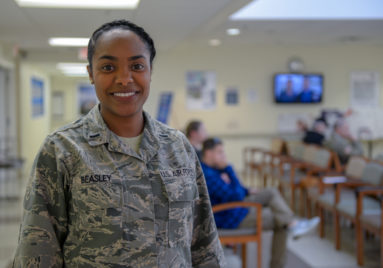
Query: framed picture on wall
(164,107)
(58,105)
(37,87)
(87,98)
(200,90)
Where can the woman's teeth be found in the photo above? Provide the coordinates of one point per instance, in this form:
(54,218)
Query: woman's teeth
(128,94)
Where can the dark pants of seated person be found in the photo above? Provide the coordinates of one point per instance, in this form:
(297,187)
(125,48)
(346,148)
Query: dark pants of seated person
(277,219)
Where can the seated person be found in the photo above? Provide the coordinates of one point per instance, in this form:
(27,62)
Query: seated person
(224,186)
(343,143)
(330,117)
(196,134)
(317,134)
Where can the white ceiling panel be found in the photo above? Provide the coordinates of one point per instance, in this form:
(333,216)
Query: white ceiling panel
(176,22)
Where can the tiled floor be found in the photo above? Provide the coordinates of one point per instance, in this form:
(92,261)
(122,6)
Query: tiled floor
(307,252)
(10,216)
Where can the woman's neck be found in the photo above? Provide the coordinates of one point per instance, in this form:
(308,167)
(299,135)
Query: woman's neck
(126,126)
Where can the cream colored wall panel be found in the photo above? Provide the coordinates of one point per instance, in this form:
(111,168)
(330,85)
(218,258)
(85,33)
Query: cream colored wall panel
(33,130)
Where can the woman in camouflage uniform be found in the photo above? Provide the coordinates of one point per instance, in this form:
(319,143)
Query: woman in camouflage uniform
(117,188)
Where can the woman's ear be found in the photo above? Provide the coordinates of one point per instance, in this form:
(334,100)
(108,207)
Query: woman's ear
(90,74)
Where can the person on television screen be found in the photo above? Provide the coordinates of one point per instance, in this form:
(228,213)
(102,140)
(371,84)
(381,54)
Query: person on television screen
(307,94)
(287,94)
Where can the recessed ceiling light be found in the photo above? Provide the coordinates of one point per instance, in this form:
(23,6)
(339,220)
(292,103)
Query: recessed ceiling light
(214,42)
(233,31)
(72,68)
(68,42)
(86,4)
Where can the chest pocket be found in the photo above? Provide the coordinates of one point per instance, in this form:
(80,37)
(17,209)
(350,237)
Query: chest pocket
(182,192)
(97,205)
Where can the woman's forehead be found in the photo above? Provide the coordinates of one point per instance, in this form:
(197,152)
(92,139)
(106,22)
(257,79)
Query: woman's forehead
(123,38)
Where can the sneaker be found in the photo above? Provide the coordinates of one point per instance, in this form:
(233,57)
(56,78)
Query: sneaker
(304,227)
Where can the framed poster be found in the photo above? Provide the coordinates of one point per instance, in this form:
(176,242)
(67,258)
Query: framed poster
(87,98)
(232,96)
(364,88)
(200,90)
(37,87)
(164,107)
(58,105)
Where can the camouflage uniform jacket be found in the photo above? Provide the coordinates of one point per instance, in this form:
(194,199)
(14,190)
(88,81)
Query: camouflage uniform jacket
(92,201)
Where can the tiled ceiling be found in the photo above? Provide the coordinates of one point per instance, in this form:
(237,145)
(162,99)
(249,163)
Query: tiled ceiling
(176,22)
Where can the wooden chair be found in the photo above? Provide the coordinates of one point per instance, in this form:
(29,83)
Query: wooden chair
(345,199)
(256,159)
(243,236)
(292,172)
(253,161)
(281,166)
(325,162)
(271,159)
(371,221)
(324,195)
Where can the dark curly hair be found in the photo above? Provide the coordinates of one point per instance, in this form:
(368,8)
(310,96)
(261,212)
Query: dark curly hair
(122,24)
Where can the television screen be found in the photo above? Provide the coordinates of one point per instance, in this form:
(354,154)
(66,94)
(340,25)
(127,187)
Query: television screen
(298,88)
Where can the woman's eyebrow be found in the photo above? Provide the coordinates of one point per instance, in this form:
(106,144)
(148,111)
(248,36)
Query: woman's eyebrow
(107,57)
(113,58)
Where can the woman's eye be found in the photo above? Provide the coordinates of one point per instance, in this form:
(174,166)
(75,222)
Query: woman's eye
(138,67)
(107,68)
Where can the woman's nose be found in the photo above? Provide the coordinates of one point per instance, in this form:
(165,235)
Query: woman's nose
(124,76)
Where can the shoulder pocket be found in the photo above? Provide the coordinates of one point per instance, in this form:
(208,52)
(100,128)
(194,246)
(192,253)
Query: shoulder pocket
(180,188)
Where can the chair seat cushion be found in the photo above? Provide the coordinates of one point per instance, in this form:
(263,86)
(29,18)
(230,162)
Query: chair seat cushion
(347,205)
(285,177)
(328,198)
(237,232)
(372,220)
(313,193)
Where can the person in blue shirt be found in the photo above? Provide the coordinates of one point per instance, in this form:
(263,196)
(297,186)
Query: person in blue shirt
(287,94)
(224,186)
(307,94)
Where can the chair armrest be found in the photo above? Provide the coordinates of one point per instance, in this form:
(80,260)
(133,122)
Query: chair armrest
(256,149)
(350,183)
(312,169)
(236,204)
(240,204)
(369,190)
(375,191)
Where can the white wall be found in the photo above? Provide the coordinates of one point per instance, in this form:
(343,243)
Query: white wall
(253,68)
(250,67)
(33,130)
(68,86)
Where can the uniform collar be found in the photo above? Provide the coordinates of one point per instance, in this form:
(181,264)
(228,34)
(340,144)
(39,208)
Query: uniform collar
(96,132)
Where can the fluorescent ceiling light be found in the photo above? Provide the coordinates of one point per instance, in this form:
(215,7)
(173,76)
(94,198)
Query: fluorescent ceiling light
(86,4)
(214,42)
(68,42)
(310,10)
(73,68)
(233,31)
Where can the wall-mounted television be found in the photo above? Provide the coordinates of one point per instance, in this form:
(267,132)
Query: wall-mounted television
(298,88)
